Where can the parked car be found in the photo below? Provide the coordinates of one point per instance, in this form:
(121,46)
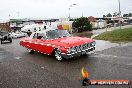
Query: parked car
(5,36)
(18,34)
(130,21)
(58,43)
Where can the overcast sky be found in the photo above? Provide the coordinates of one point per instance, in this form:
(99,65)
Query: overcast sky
(59,8)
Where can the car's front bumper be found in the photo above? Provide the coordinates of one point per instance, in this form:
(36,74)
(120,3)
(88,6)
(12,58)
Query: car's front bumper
(67,56)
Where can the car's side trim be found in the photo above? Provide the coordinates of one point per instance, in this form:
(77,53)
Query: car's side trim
(43,44)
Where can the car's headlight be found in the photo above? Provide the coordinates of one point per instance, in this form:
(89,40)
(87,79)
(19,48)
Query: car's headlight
(93,43)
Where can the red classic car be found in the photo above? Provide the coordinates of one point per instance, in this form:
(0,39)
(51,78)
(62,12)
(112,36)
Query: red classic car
(58,43)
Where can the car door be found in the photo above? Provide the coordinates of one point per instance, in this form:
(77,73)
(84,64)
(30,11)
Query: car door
(29,42)
(33,41)
(44,45)
(40,44)
(36,43)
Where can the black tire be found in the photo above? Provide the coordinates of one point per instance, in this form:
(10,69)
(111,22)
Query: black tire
(30,51)
(10,40)
(57,55)
(1,42)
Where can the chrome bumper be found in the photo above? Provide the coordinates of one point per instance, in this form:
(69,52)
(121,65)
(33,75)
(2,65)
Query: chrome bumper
(67,56)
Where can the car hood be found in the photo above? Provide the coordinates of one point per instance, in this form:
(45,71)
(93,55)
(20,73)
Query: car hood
(71,41)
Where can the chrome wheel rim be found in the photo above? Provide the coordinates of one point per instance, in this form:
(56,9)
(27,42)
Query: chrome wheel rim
(58,55)
(29,50)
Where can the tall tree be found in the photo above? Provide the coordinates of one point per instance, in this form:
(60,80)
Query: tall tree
(130,14)
(125,15)
(104,16)
(109,15)
(115,14)
(118,14)
(82,24)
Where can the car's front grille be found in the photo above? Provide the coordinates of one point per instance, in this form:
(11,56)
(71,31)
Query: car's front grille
(80,48)
(83,47)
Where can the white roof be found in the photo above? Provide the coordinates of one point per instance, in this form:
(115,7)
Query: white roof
(44,31)
(37,26)
(30,26)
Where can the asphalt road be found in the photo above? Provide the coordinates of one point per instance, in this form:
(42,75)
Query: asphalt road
(19,69)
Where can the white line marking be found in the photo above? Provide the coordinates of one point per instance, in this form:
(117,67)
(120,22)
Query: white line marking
(17,58)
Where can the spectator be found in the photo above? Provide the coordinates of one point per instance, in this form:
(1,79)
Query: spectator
(44,27)
(29,33)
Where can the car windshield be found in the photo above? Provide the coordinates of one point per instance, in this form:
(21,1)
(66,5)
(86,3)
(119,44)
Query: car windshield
(57,34)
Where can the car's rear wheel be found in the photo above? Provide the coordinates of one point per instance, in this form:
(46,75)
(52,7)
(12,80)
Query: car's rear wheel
(30,51)
(58,55)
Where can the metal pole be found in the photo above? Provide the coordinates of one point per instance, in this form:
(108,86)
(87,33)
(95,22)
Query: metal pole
(82,14)
(18,14)
(119,13)
(69,13)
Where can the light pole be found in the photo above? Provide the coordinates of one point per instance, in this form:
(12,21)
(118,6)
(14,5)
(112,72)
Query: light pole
(119,13)
(18,14)
(70,9)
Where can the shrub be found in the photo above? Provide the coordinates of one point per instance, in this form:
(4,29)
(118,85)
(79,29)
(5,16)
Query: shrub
(82,24)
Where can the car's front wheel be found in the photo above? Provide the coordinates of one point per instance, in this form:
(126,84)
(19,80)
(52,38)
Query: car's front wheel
(10,40)
(1,41)
(58,55)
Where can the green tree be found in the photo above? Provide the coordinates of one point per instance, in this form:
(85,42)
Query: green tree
(109,15)
(125,15)
(130,15)
(115,14)
(118,14)
(82,24)
(104,16)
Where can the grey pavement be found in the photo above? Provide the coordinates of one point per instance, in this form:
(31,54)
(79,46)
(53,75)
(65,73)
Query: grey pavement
(19,69)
